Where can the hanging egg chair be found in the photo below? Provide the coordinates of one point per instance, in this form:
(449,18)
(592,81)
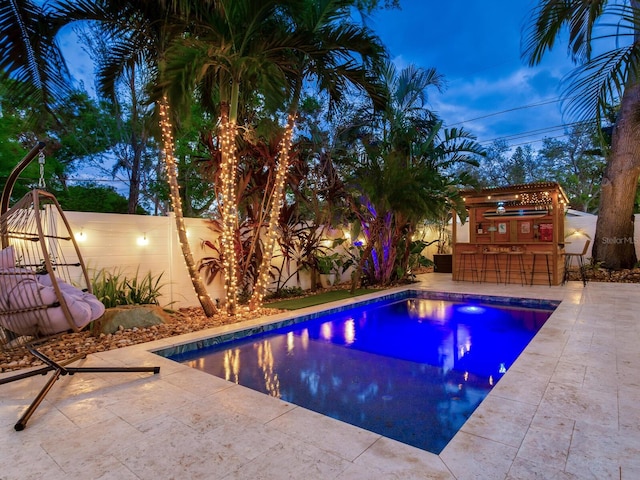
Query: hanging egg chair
(44,286)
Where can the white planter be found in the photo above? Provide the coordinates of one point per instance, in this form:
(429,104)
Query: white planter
(327,279)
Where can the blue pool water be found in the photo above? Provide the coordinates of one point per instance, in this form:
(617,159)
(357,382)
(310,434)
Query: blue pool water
(411,369)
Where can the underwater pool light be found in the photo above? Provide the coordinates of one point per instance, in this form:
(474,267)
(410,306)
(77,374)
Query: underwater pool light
(471,309)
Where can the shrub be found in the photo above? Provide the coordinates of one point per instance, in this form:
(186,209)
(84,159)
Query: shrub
(286,292)
(114,288)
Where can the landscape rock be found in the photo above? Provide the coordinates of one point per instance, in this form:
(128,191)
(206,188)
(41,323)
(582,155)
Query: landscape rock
(118,319)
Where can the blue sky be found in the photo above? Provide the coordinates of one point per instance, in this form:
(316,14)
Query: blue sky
(475,44)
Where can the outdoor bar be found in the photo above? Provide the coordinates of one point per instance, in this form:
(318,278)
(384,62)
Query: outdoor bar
(516,235)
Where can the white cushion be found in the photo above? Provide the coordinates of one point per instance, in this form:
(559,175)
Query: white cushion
(7,257)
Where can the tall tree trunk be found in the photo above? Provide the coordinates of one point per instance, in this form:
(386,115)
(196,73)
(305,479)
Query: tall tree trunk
(228,167)
(134,180)
(137,144)
(277,201)
(613,245)
(167,136)
(406,251)
(388,250)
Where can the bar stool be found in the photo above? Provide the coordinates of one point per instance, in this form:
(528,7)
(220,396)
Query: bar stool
(486,254)
(546,255)
(471,266)
(520,266)
(568,259)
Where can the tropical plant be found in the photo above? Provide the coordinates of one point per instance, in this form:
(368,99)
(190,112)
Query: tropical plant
(338,53)
(30,56)
(214,265)
(270,47)
(115,288)
(285,292)
(416,258)
(604,41)
(138,34)
(400,175)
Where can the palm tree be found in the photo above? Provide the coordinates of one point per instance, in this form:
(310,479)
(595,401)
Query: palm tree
(138,34)
(601,80)
(232,44)
(271,47)
(337,54)
(391,195)
(400,176)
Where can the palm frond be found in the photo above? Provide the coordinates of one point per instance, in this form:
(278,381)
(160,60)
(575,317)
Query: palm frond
(549,19)
(593,87)
(30,55)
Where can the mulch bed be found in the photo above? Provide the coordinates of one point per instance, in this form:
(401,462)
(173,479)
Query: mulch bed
(69,345)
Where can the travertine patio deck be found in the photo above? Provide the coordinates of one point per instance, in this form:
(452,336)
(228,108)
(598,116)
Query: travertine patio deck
(569,408)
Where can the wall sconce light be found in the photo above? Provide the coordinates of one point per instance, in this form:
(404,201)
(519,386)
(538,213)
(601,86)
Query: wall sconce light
(142,241)
(501,210)
(80,236)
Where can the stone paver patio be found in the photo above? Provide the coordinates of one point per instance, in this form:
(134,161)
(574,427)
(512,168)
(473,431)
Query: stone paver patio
(569,408)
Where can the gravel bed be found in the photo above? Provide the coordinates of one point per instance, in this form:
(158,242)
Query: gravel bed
(69,345)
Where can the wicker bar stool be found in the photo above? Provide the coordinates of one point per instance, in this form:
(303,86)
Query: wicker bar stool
(568,259)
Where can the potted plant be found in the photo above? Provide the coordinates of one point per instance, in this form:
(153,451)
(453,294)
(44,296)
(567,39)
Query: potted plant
(443,259)
(328,268)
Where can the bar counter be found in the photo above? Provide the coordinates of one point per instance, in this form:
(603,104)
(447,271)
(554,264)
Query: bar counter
(516,235)
(517,263)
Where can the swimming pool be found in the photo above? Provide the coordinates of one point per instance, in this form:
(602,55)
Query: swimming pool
(412,367)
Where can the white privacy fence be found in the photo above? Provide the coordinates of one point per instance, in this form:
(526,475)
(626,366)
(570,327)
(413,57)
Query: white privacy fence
(143,244)
(130,243)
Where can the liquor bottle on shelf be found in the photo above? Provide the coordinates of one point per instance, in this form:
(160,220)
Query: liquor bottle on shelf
(480,230)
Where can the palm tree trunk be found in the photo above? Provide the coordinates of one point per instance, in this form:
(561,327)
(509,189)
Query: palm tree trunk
(228,167)
(203,296)
(613,245)
(277,200)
